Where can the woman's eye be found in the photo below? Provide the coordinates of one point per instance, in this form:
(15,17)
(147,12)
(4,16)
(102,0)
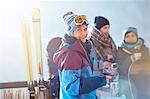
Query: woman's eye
(127,36)
(132,35)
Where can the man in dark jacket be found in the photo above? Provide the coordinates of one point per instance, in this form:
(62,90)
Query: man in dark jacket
(103,51)
(74,67)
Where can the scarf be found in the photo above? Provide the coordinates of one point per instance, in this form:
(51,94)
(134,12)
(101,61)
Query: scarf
(105,48)
(133,47)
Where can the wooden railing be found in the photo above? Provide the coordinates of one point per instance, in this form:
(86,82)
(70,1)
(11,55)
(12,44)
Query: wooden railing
(24,90)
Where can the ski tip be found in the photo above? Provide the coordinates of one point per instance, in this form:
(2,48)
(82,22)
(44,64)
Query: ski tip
(25,25)
(25,20)
(36,13)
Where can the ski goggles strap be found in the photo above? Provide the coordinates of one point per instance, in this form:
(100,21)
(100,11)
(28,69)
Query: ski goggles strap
(79,20)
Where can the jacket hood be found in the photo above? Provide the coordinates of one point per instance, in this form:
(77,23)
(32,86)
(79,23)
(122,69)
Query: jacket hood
(70,44)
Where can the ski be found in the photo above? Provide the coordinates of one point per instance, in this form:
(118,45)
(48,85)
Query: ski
(27,49)
(28,57)
(37,37)
(37,89)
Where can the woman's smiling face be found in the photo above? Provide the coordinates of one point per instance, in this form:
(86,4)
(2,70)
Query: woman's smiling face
(130,37)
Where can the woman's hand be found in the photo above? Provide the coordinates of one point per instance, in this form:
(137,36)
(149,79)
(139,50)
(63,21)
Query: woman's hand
(136,56)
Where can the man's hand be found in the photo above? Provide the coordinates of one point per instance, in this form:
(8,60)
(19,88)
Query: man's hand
(106,69)
(106,64)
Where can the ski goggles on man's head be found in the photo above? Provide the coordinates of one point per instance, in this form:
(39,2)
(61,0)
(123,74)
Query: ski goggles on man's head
(80,20)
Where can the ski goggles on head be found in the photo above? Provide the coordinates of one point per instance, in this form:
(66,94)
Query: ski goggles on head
(79,20)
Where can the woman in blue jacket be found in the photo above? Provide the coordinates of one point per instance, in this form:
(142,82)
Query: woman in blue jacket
(74,67)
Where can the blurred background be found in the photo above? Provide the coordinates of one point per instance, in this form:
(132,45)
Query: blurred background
(120,13)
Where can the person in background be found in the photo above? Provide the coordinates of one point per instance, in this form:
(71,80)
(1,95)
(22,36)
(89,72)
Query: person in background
(132,49)
(74,67)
